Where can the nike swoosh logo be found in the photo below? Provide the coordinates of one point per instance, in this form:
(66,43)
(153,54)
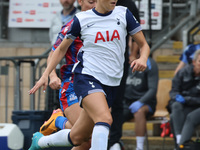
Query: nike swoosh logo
(89,25)
(46,126)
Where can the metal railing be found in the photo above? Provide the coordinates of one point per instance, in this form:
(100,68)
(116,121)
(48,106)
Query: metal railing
(25,71)
(183,20)
(190,32)
(16,68)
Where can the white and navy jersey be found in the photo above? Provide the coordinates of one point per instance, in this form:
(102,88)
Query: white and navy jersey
(104,41)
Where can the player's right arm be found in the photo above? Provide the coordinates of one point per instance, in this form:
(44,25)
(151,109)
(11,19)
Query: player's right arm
(55,82)
(55,59)
(58,54)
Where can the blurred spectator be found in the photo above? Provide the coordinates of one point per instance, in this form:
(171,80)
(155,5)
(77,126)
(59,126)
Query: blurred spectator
(117,107)
(61,18)
(187,56)
(185,100)
(140,99)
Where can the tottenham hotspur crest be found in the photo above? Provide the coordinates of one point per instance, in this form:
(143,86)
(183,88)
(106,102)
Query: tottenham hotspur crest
(91,83)
(118,21)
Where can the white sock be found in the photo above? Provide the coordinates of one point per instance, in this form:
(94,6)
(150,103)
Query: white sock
(140,142)
(178,138)
(100,137)
(116,146)
(59,138)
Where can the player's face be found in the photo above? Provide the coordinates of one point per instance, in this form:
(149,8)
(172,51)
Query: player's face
(105,6)
(87,4)
(196,64)
(67,4)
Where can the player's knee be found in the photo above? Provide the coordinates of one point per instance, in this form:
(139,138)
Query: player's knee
(78,140)
(104,117)
(107,118)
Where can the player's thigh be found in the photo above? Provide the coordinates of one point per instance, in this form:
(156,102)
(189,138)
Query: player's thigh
(91,94)
(96,106)
(72,113)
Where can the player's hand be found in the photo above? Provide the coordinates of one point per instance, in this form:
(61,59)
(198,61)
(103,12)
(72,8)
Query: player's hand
(42,82)
(55,83)
(139,64)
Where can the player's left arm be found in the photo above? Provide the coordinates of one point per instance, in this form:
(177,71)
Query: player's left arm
(140,64)
(135,30)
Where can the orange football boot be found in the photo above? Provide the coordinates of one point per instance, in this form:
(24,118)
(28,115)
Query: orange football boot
(49,126)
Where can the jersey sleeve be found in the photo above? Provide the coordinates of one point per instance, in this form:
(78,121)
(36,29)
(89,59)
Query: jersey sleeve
(74,30)
(133,26)
(60,37)
(184,58)
(57,43)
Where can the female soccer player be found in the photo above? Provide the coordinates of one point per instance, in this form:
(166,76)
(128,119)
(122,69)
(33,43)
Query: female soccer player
(97,73)
(67,97)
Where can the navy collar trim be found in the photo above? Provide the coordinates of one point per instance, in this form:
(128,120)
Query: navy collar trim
(100,14)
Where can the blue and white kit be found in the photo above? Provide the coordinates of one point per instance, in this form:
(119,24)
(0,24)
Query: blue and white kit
(104,41)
